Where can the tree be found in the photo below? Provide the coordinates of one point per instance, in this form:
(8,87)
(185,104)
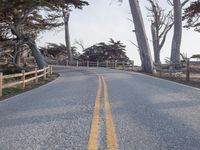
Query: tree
(53,49)
(177,36)
(161,23)
(113,51)
(14,24)
(145,54)
(56,53)
(197,56)
(176,41)
(191,15)
(66,14)
(25,19)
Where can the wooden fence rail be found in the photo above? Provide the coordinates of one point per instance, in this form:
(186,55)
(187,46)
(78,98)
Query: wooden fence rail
(183,67)
(23,78)
(107,64)
(3,61)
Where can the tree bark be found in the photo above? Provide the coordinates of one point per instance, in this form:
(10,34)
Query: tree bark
(176,42)
(36,54)
(17,56)
(32,45)
(145,54)
(156,46)
(67,37)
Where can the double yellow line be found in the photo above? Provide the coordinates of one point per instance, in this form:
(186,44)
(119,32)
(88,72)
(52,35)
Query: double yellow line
(110,135)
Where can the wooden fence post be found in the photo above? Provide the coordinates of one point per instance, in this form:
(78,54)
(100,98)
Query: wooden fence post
(170,70)
(88,63)
(133,65)
(123,65)
(36,76)
(115,64)
(1,83)
(106,64)
(45,73)
(51,70)
(77,63)
(97,63)
(160,73)
(188,70)
(23,79)
(67,63)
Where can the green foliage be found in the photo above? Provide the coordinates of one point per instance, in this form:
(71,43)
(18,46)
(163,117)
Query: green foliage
(101,52)
(196,56)
(191,15)
(11,90)
(22,20)
(53,49)
(21,17)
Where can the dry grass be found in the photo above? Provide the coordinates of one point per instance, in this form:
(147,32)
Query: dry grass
(12,91)
(181,78)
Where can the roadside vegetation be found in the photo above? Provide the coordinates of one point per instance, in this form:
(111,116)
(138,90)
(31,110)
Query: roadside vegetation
(25,20)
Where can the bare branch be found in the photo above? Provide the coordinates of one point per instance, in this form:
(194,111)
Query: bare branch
(134,44)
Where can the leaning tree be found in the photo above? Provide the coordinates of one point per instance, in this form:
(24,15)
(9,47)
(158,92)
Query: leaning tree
(144,49)
(22,20)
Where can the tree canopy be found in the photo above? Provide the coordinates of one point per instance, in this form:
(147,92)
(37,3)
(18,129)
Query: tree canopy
(191,15)
(53,49)
(114,50)
(22,20)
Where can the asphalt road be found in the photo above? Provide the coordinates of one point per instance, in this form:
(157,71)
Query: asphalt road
(135,112)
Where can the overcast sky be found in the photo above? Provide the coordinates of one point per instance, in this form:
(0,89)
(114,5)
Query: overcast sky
(105,19)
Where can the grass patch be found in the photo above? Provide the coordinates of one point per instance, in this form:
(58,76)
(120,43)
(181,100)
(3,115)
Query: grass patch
(11,90)
(14,90)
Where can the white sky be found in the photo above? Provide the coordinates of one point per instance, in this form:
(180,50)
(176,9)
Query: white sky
(102,20)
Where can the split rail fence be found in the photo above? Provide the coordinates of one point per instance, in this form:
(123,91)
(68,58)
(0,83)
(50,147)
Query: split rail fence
(185,68)
(20,79)
(107,64)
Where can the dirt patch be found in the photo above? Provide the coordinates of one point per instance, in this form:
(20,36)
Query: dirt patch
(192,82)
(181,78)
(15,90)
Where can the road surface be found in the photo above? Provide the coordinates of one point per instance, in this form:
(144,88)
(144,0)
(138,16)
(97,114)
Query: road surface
(98,108)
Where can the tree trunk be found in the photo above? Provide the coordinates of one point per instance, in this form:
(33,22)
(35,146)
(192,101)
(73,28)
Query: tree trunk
(176,43)
(32,45)
(145,54)
(36,54)
(67,37)
(17,55)
(156,46)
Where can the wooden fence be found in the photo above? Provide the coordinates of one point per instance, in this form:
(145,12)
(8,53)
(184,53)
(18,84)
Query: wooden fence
(107,64)
(22,78)
(186,68)
(3,61)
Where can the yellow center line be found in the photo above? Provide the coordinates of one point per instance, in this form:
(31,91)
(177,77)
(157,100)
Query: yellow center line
(92,143)
(111,143)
